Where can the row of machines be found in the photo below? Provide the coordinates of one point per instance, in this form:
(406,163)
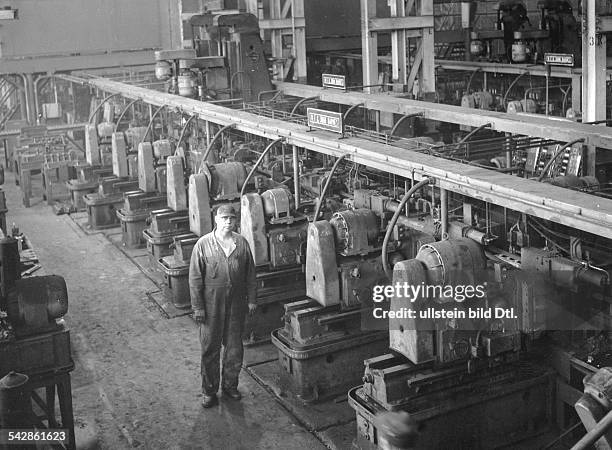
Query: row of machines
(268,220)
(526,38)
(166,199)
(227,45)
(227,61)
(556,30)
(494,291)
(325,266)
(453,322)
(164,192)
(38,149)
(342,281)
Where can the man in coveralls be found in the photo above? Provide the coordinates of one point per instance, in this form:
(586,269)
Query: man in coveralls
(222,286)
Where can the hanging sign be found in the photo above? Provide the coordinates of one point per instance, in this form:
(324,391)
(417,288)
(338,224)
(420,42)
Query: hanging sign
(333,81)
(325,120)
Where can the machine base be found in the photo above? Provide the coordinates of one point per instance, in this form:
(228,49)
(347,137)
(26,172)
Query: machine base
(101,211)
(483,414)
(323,370)
(78,190)
(36,354)
(132,226)
(176,282)
(159,246)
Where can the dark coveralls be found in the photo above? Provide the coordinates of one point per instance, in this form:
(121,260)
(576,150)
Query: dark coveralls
(222,286)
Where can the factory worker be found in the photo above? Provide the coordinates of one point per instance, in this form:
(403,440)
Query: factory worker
(222,286)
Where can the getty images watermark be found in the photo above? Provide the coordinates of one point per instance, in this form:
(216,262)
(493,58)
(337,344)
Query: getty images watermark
(437,295)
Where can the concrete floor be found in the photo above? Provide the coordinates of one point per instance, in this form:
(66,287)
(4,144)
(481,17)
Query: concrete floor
(136,379)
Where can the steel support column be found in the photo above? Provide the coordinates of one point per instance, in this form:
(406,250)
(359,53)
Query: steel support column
(398,46)
(369,46)
(593,74)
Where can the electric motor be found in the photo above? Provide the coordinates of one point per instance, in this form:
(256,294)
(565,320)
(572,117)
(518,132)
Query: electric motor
(354,231)
(225,179)
(277,203)
(106,129)
(451,263)
(34,303)
(162,148)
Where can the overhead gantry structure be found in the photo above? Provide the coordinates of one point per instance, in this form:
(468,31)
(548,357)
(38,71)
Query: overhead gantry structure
(520,123)
(571,208)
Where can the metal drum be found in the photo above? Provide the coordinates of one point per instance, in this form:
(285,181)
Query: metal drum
(15,403)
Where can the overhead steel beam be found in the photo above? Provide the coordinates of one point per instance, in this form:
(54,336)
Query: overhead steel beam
(395,23)
(63,63)
(275,24)
(516,69)
(51,128)
(604,24)
(522,123)
(575,209)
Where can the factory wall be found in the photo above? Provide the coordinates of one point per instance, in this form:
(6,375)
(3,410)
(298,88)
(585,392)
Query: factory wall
(60,27)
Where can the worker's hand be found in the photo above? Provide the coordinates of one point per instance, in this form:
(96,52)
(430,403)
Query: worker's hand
(199,315)
(252,308)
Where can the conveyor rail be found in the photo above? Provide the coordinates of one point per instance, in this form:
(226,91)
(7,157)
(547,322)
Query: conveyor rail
(574,209)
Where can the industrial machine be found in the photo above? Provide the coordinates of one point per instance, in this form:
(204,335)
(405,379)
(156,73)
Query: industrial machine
(466,316)
(227,54)
(557,31)
(326,337)
(132,162)
(510,214)
(276,233)
(35,342)
(525,85)
(593,407)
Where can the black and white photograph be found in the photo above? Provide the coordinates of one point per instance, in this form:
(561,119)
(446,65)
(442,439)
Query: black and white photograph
(305,224)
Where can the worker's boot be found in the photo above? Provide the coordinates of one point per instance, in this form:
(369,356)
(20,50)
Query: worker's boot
(232,393)
(209,400)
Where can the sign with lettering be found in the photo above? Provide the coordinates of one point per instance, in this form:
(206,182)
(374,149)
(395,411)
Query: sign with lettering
(333,81)
(559,59)
(325,120)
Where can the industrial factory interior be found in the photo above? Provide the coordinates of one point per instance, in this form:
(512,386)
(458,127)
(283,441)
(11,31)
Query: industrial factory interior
(305,224)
